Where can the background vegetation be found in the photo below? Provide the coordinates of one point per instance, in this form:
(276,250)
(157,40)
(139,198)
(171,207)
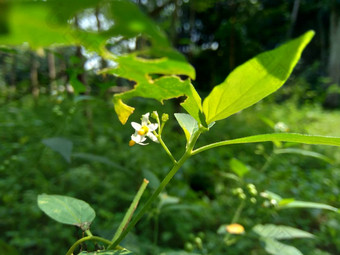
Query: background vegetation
(56,92)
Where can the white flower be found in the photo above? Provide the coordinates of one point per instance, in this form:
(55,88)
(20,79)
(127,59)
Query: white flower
(143,130)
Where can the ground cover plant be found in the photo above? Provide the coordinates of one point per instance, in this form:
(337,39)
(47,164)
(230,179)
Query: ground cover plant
(159,72)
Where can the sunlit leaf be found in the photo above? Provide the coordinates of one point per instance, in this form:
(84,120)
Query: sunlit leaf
(187,123)
(280,232)
(61,145)
(254,80)
(155,79)
(67,210)
(283,137)
(46,23)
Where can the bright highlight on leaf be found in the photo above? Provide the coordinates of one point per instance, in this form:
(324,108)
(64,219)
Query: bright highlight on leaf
(254,80)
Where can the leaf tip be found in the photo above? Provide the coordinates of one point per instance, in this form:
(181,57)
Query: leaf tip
(123,110)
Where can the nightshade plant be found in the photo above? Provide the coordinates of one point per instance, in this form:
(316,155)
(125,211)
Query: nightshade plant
(245,86)
(158,72)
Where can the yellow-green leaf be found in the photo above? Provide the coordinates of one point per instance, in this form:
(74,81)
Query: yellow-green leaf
(254,80)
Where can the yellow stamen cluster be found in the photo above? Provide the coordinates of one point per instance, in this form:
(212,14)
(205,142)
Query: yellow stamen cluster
(143,130)
(132,143)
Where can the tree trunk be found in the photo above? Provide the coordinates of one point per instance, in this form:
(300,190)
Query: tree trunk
(52,72)
(34,76)
(333,98)
(293,18)
(334,47)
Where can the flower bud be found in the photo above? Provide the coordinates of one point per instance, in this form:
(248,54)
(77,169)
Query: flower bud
(165,117)
(154,115)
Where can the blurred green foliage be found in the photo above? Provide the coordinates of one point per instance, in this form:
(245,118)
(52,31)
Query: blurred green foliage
(201,197)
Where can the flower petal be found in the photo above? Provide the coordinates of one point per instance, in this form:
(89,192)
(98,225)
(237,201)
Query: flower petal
(152,137)
(145,119)
(138,138)
(136,126)
(152,127)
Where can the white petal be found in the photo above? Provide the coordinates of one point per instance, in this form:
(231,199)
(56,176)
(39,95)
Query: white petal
(138,138)
(145,119)
(152,137)
(152,127)
(143,143)
(136,126)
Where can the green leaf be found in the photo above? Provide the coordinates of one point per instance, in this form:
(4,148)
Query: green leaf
(187,123)
(100,159)
(303,153)
(46,23)
(303,204)
(282,137)
(280,232)
(77,85)
(110,252)
(277,248)
(254,80)
(166,86)
(67,210)
(238,167)
(61,145)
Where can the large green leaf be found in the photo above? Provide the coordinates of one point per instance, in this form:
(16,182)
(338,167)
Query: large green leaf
(277,248)
(166,86)
(46,23)
(280,232)
(281,137)
(67,210)
(254,80)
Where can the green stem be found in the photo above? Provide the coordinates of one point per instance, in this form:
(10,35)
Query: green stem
(235,219)
(238,212)
(84,239)
(156,231)
(187,154)
(166,149)
(88,232)
(130,212)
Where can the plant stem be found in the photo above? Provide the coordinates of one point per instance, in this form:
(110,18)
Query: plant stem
(88,232)
(187,154)
(235,219)
(238,212)
(84,239)
(130,211)
(166,149)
